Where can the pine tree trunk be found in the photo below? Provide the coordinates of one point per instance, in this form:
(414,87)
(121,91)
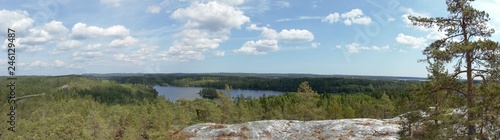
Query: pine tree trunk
(471,128)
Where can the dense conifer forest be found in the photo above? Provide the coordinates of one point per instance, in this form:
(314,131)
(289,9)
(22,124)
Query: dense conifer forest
(78,107)
(459,100)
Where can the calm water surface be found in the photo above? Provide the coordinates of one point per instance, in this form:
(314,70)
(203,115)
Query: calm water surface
(190,93)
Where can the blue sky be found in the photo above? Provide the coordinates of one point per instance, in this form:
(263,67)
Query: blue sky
(361,37)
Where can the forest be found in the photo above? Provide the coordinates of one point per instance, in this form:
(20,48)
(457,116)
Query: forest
(79,107)
(368,85)
(459,99)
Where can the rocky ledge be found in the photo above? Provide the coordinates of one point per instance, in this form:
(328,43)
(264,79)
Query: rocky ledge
(345,129)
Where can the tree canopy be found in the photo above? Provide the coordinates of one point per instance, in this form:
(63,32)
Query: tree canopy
(468,51)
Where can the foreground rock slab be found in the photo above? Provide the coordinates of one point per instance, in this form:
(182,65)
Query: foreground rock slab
(345,129)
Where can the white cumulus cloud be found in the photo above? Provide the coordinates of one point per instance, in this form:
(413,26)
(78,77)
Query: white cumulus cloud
(231,2)
(331,18)
(139,57)
(59,63)
(353,13)
(355,16)
(66,45)
(295,35)
(353,48)
(82,31)
(258,47)
(123,43)
(55,28)
(356,48)
(207,25)
(411,41)
(270,39)
(39,63)
(212,16)
(16,20)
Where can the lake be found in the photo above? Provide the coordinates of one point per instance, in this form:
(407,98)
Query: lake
(173,93)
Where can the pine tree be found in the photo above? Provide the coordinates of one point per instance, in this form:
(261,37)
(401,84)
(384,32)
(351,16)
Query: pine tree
(466,48)
(334,110)
(306,107)
(243,113)
(387,106)
(227,106)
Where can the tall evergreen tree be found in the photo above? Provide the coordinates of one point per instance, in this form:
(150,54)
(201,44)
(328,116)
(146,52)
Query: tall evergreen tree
(227,106)
(307,102)
(387,106)
(465,48)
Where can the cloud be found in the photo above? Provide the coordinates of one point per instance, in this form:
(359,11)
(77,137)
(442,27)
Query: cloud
(82,55)
(51,31)
(391,19)
(355,16)
(295,35)
(418,42)
(139,57)
(353,13)
(255,27)
(39,63)
(412,12)
(81,31)
(113,3)
(360,20)
(411,41)
(285,35)
(195,42)
(91,47)
(204,30)
(90,51)
(386,47)
(258,47)
(356,48)
(55,28)
(299,18)
(331,18)
(36,36)
(16,20)
(315,44)
(282,4)
(231,2)
(408,23)
(66,45)
(34,39)
(203,16)
(153,9)
(35,48)
(269,33)
(490,7)
(353,48)
(436,34)
(219,53)
(124,43)
(59,63)
(44,64)
(270,38)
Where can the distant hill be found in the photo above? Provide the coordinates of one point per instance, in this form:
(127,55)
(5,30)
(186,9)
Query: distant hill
(259,75)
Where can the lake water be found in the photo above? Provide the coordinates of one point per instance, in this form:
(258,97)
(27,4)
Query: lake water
(190,93)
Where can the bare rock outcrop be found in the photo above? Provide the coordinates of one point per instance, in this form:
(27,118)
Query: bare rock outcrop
(346,129)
